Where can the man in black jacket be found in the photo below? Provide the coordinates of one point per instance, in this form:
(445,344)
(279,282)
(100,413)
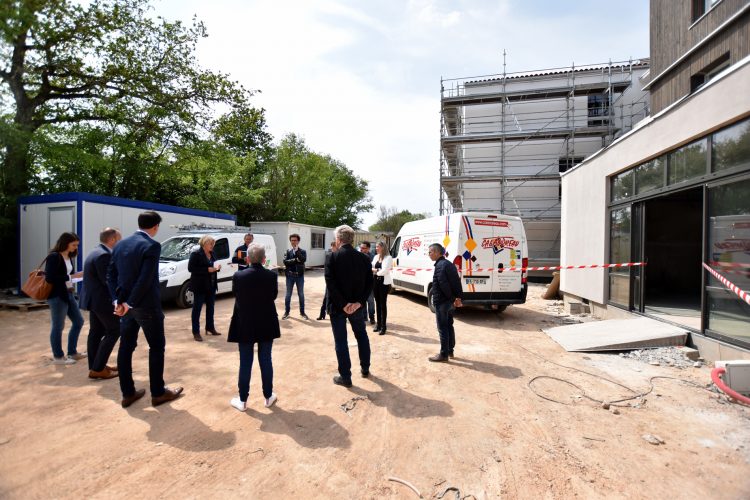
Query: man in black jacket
(240,253)
(447,293)
(294,262)
(105,326)
(348,276)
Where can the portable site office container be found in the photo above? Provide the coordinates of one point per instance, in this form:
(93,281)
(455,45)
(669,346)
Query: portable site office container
(315,240)
(42,218)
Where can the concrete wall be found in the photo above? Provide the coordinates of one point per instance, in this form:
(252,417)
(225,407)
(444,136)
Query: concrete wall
(585,238)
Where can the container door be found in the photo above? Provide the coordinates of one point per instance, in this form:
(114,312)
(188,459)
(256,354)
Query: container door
(60,220)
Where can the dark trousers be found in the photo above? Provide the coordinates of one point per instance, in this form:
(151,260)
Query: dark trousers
(371,306)
(198,300)
(381,302)
(324,307)
(444,317)
(338,325)
(104,331)
(298,280)
(246,366)
(152,322)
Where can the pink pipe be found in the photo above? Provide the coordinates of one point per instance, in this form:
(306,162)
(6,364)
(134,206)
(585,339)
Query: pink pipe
(716,374)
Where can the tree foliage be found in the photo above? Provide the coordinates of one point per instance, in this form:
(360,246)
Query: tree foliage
(310,188)
(390,219)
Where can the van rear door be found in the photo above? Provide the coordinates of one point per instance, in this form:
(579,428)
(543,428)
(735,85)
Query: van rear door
(476,260)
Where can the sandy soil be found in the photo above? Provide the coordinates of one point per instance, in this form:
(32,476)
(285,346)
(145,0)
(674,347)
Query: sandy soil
(473,424)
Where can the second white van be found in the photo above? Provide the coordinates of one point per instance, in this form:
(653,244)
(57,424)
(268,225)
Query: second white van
(480,245)
(174,276)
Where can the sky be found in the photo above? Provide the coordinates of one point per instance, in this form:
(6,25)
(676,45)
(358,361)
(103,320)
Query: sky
(360,80)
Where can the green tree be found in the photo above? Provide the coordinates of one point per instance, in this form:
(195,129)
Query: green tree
(390,220)
(307,187)
(64,65)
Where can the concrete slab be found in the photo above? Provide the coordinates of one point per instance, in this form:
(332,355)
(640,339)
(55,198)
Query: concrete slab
(617,335)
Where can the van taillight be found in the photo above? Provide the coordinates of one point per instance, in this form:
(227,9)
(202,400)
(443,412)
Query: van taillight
(524,264)
(457,261)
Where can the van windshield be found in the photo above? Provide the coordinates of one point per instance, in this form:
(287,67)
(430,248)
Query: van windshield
(176,249)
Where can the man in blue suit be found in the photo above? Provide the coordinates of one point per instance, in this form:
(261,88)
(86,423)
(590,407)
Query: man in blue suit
(105,326)
(133,281)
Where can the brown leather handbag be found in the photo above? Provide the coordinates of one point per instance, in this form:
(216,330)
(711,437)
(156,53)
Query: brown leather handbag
(36,286)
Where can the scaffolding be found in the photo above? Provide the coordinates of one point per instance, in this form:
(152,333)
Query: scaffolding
(506,138)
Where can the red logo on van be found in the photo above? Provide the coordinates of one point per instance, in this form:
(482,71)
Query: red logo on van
(411,244)
(499,242)
(494,223)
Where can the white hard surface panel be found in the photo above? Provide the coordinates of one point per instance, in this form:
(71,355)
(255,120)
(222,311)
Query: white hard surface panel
(617,335)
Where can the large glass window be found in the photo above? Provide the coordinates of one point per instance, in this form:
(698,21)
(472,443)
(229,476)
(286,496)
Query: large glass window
(731,147)
(649,176)
(622,186)
(688,162)
(729,255)
(619,251)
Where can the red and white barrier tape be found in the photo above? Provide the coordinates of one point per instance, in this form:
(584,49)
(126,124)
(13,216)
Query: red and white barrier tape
(737,290)
(537,268)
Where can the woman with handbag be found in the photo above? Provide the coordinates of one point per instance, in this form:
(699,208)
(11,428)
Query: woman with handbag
(203,271)
(58,271)
(382,264)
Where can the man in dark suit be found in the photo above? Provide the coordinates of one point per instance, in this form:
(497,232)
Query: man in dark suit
(349,280)
(133,280)
(105,326)
(255,320)
(294,263)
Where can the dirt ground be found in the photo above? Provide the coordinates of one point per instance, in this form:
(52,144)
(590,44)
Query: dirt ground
(474,424)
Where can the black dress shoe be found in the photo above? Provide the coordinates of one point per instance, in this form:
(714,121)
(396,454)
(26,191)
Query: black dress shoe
(382,331)
(451,355)
(129,400)
(169,395)
(372,321)
(365,373)
(320,318)
(197,337)
(285,316)
(376,329)
(438,358)
(339,380)
(212,332)
(304,316)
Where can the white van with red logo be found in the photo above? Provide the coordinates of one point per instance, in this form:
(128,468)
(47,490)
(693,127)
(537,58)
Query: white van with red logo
(481,245)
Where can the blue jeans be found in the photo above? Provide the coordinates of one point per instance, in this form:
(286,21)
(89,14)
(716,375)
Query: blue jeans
(58,309)
(338,325)
(152,322)
(246,366)
(198,300)
(290,282)
(444,318)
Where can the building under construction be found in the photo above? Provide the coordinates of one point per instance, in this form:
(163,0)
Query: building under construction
(506,138)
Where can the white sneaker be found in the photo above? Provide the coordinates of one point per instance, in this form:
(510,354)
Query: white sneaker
(63,361)
(239,404)
(270,401)
(77,356)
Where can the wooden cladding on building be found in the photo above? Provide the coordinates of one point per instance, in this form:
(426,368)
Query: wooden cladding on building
(675,30)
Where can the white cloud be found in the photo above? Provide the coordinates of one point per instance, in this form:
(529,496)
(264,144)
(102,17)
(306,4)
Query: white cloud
(361,80)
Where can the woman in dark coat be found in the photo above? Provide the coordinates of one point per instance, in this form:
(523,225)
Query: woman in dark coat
(58,271)
(203,271)
(255,321)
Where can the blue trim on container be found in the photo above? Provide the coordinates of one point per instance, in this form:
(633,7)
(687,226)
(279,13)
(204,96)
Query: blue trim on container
(79,232)
(122,202)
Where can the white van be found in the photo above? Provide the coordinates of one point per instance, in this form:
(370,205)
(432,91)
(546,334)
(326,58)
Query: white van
(479,244)
(174,276)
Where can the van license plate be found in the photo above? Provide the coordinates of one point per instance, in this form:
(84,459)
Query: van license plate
(476,281)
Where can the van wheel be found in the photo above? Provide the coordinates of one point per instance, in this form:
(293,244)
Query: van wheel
(185,297)
(500,309)
(430,303)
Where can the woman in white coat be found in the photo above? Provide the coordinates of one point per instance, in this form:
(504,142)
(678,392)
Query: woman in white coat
(382,264)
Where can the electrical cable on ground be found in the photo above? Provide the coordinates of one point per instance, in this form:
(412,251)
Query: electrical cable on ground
(583,393)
